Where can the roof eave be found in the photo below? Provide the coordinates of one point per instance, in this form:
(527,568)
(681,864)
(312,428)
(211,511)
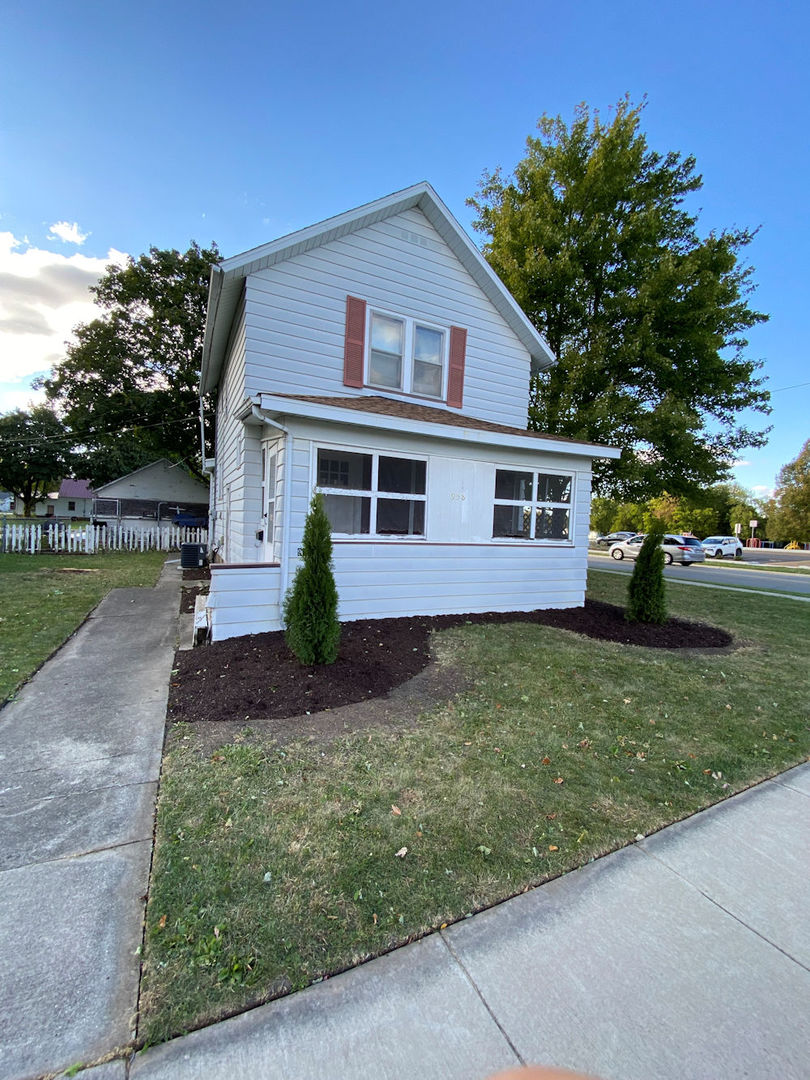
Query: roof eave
(308,410)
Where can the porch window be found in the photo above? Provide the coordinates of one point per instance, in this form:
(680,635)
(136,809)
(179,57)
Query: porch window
(532,505)
(373,495)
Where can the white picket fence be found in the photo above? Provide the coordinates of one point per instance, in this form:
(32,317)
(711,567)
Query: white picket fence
(33,538)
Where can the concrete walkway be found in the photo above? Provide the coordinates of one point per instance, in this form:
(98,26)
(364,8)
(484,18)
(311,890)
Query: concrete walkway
(80,752)
(684,956)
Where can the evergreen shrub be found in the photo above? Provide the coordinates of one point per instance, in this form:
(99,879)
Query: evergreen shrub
(310,606)
(646,597)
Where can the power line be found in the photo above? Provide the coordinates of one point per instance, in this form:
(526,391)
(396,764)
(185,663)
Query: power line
(795,386)
(78,437)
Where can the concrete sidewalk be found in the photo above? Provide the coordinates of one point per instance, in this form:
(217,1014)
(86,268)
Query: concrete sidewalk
(80,752)
(684,956)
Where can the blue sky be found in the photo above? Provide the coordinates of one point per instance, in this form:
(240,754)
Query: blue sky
(124,125)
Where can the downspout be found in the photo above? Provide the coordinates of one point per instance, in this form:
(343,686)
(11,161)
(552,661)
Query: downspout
(286,516)
(202,433)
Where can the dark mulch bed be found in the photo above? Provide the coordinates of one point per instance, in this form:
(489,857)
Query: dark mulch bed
(188,595)
(197,573)
(257,678)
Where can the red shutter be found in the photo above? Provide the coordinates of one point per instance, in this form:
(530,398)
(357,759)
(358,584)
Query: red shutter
(455,379)
(353,358)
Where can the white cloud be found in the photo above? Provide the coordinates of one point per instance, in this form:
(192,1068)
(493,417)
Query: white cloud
(762,491)
(68,233)
(740,464)
(43,296)
(19,399)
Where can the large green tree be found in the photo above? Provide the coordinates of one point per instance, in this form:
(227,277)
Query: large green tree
(647,320)
(35,454)
(129,385)
(790,507)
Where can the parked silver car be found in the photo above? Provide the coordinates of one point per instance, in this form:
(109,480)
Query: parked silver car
(677,549)
(718,546)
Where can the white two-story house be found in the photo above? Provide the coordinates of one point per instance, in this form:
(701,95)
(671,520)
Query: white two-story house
(376,358)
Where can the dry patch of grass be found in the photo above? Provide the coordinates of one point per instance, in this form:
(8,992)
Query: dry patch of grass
(279,865)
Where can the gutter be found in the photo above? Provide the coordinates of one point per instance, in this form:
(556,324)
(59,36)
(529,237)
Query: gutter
(214,297)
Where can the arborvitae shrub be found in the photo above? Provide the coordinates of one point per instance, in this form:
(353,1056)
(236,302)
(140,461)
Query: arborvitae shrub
(646,598)
(310,606)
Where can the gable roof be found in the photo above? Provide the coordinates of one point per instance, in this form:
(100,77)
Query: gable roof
(160,463)
(75,489)
(227,276)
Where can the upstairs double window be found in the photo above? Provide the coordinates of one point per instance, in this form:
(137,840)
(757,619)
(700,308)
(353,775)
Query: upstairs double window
(372,494)
(404,355)
(532,505)
(407,356)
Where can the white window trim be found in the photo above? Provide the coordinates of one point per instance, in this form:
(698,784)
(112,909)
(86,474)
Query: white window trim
(409,326)
(374,494)
(537,504)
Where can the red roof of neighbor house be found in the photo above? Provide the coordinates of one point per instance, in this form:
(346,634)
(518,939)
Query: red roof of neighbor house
(75,489)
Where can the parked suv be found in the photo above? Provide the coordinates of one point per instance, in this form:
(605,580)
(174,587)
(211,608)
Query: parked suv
(718,546)
(677,549)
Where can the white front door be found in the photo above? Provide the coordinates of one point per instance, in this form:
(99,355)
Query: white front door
(268,496)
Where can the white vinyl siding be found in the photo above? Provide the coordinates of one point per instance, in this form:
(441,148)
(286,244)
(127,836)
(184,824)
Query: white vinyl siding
(457,566)
(229,534)
(244,600)
(296,312)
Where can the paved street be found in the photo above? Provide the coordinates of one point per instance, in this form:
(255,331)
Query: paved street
(720,572)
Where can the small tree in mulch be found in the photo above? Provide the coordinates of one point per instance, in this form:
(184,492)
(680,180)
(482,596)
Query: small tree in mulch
(646,598)
(310,606)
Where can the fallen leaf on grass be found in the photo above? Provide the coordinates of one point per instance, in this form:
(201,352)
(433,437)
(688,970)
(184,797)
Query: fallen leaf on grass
(403,851)
(396,810)
(553,847)
(162,922)
(559,780)
(546,761)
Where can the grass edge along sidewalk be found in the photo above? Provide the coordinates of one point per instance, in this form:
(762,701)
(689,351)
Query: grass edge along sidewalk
(276,866)
(45,598)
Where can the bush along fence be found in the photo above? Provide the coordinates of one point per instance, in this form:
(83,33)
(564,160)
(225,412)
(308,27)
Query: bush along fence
(33,538)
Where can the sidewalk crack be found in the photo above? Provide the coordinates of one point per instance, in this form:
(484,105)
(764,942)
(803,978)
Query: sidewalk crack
(483,1000)
(725,910)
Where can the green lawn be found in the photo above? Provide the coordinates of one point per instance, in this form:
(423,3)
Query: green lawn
(42,602)
(276,866)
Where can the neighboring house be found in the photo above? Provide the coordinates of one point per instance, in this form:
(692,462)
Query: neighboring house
(158,492)
(6,502)
(377,358)
(74,499)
